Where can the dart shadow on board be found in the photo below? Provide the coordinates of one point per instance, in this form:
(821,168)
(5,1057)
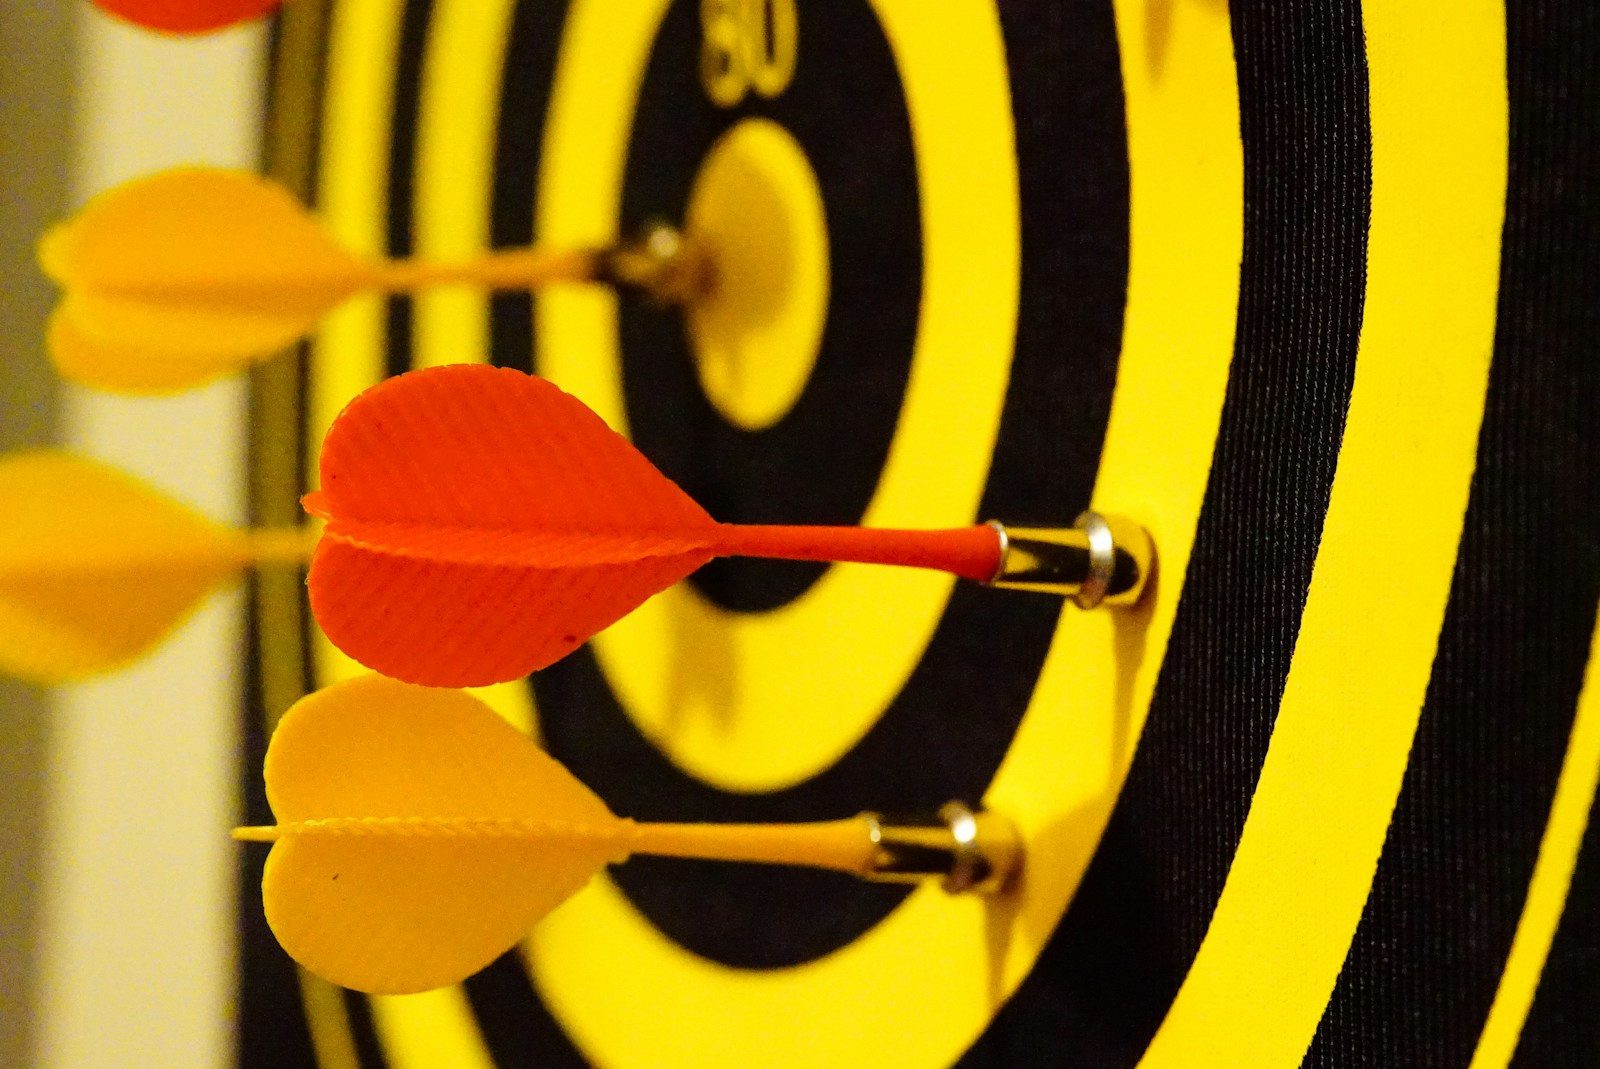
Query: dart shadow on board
(693,695)
(1068,841)
(1130,633)
(1062,843)
(1158,19)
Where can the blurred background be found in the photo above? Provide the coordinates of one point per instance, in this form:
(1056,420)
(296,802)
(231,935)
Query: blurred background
(116,874)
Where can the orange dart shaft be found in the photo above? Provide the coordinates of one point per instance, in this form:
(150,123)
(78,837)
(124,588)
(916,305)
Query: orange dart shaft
(970,552)
(844,845)
(506,269)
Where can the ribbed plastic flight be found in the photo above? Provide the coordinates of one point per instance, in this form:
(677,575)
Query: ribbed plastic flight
(419,836)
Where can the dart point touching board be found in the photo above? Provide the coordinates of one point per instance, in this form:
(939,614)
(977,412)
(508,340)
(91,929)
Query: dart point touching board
(483,523)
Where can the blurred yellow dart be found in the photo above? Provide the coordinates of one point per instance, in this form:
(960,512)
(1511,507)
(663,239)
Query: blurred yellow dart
(182,276)
(420,836)
(96,567)
(126,367)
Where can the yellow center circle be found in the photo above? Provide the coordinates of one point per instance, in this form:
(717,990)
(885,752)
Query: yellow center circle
(756,213)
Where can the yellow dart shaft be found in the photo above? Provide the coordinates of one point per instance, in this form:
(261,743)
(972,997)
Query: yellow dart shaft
(282,545)
(840,844)
(844,845)
(260,833)
(971,851)
(528,268)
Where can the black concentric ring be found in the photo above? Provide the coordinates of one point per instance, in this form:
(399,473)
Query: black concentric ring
(945,733)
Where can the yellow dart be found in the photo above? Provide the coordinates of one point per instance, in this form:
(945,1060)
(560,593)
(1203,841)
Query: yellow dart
(189,274)
(96,567)
(420,836)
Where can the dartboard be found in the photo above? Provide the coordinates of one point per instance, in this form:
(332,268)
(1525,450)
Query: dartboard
(1310,290)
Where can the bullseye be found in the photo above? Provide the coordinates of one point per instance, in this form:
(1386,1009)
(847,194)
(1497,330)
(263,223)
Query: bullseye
(756,213)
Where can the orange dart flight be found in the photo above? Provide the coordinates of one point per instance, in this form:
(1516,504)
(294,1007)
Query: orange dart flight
(186,275)
(187,16)
(482,524)
(96,567)
(420,836)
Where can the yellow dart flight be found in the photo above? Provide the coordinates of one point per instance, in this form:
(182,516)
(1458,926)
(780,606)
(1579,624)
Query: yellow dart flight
(419,836)
(185,275)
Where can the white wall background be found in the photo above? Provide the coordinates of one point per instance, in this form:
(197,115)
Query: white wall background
(136,894)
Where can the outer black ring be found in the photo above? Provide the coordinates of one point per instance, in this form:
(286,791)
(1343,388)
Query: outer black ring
(1450,888)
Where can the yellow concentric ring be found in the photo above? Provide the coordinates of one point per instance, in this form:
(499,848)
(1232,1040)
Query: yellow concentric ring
(756,211)
(453,180)
(935,971)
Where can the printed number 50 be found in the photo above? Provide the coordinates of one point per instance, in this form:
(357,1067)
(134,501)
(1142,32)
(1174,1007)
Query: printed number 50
(744,45)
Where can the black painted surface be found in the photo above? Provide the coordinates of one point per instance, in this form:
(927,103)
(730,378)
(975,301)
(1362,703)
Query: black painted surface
(1107,978)
(271,1030)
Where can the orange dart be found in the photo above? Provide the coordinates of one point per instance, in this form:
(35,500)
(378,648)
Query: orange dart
(187,16)
(483,523)
(96,567)
(180,277)
(420,836)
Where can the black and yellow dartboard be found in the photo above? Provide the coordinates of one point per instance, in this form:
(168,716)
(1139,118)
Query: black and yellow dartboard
(1310,289)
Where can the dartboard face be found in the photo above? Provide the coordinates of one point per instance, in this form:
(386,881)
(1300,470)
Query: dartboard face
(1311,291)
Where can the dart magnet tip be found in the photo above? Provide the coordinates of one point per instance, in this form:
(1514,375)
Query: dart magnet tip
(661,263)
(971,851)
(1100,560)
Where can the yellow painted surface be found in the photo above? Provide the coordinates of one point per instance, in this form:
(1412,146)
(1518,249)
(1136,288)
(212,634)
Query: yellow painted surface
(934,972)
(756,213)
(458,115)
(430,1029)
(353,201)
